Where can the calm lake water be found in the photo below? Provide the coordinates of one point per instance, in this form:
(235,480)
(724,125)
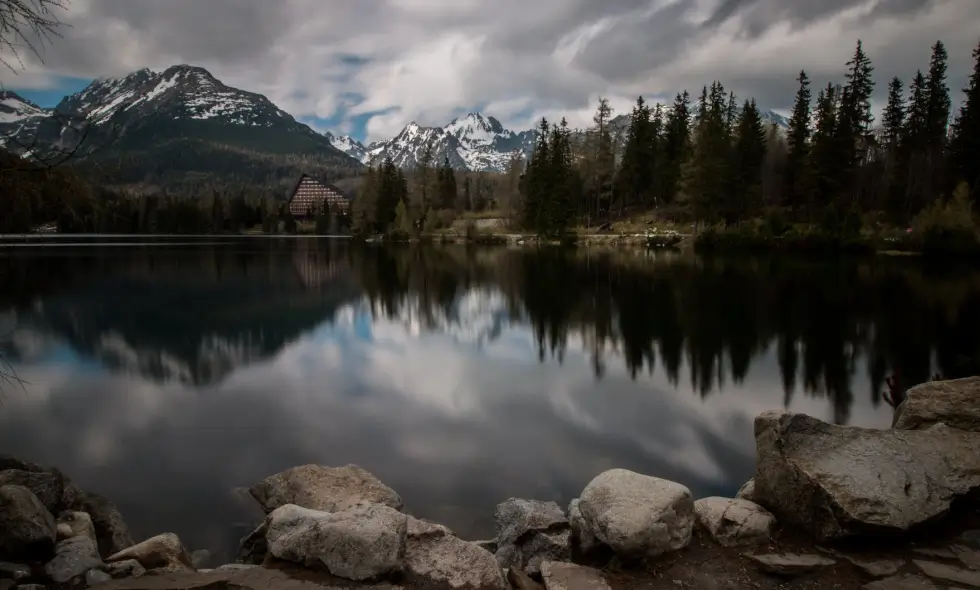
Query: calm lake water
(166,375)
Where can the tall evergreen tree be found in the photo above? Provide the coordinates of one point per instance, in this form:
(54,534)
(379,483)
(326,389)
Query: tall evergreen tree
(893,124)
(798,177)
(854,136)
(915,145)
(634,181)
(824,153)
(748,155)
(965,145)
(707,172)
(937,122)
(447,189)
(676,146)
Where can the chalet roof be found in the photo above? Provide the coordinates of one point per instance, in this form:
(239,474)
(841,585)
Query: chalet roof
(319,181)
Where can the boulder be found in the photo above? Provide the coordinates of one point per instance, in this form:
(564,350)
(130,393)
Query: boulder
(948,573)
(521,581)
(48,487)
(76,524)
(362,542)
(638,515)
(517,517)
(529,532)
(11,462)
(734,522)
(436,558)
(954,403)
(72,558)
(110,528)
(127,568)
(838,481)
(14,571)
(582,536)
(747,491)
(488,544)
(27,528)
(326,489)
(162,552)
(789,564)
(96,576)
(568,576)
(253,548)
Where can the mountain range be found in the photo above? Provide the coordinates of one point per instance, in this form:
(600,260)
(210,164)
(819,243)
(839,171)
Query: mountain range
(183,127)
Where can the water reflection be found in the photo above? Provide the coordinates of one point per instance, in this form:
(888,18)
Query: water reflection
(163,377)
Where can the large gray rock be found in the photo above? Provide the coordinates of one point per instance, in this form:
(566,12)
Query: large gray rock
(72,558)
(48,487)
(838,481)
(363,542)
(638,515)
(27,528)
(76,524)
(581,534)
(948,573)
(14,571)
(517,517)
(734,522)
(435,557)
(747,491)
(110,528)
(529,532)
(568,576)
(954,403)
(127,568)
(253,547)
(327,489)
(162,552)
(790,564)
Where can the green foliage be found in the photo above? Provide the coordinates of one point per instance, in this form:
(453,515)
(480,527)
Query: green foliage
(551,187)
(948,226)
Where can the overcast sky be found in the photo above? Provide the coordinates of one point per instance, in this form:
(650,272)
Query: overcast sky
(371,66)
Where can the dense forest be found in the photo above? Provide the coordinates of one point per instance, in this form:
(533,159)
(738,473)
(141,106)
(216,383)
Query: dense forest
(714,161)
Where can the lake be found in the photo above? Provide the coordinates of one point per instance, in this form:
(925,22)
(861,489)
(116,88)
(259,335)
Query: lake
(166,373)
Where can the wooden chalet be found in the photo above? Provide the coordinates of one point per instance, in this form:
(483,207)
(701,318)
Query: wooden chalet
(309,194)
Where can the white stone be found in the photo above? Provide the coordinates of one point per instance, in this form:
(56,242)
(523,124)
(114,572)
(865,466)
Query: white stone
(637,514)
(734,522)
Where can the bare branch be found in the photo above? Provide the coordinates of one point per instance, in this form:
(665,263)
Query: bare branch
(25,25)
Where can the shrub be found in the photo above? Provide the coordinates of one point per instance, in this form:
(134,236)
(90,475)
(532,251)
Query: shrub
(948,226)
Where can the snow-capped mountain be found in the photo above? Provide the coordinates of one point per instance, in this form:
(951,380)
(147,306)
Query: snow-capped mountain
(474,142)
(19,117)
(177,127)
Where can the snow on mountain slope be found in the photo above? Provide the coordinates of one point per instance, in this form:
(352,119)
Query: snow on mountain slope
(179,92)
(19,118)
(474,142)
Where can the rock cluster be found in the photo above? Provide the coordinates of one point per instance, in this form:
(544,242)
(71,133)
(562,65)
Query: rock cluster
(831,482)
(51,531)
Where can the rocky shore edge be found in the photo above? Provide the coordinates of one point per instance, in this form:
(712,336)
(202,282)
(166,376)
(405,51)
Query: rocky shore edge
(830,507)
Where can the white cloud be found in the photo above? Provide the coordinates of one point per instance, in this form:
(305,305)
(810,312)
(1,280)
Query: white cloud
(422,59)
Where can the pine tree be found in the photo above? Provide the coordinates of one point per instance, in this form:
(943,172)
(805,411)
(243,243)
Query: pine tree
(676,146)
(749,153)
(707,172)
(854,137)
(824,153)
(447,191)
(798,176)
(965,144)
(914,146)
(536,180)
(598,163)
(364,205)
(893,124)
(937,123)
(634,180)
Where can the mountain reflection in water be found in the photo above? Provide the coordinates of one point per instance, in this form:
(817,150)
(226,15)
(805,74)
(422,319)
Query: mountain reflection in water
(165,376)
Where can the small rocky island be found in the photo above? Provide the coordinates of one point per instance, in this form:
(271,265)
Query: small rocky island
(830,507)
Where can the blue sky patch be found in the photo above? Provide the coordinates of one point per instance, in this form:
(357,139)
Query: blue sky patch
(50,97)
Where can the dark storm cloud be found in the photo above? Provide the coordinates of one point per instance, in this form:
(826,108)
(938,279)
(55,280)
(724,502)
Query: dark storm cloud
(425,59)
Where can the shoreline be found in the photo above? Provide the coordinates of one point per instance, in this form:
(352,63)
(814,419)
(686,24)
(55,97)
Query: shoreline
(830,507)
